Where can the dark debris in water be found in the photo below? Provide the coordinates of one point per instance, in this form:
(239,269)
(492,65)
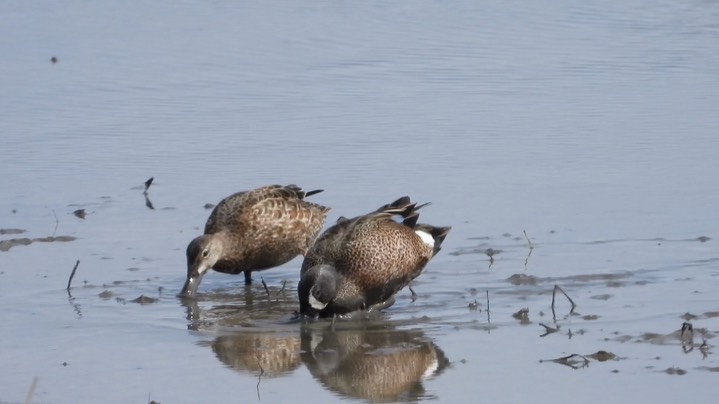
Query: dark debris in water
(688,337)
(6,245)
(144,300)
(106,294)
(79,213)
(522,279)
(602,356)
(491,252)
(576,361)
(12,231)
(689,316)
(706,314)
(703,239)
(51,239)
(675,371)
(523,316)
(209,205)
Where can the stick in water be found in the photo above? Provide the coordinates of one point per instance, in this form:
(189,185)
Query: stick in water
(147,184)
(284,283)
(266,288)
(531,248)
(57,223)
(488,321)
(528,240)
(557,287)
(33,386)
(72,275)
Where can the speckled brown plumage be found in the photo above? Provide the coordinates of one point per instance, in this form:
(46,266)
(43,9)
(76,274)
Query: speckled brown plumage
(255,230)
(364,261)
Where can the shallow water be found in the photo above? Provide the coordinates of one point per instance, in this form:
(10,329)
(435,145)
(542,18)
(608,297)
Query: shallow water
(592,127)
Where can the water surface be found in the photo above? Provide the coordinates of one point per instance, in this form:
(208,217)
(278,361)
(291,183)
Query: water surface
(590,126)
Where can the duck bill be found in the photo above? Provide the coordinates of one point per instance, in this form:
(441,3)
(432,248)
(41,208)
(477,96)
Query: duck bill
(191,284)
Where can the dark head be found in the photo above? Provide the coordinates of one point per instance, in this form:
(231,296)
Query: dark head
(317,288)
(202,254)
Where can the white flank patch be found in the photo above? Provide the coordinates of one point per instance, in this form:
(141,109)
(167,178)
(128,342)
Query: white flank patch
(426,237)
(431,369)
(316,304)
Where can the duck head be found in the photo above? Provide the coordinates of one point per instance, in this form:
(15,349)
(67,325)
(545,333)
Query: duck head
(202,254)
(317,288)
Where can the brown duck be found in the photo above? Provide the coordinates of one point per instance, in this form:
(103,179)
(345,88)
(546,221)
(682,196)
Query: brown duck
(361,263)
(254,230)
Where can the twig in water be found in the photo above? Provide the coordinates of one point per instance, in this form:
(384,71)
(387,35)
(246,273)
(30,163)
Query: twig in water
(259,378)
(31,392)
(147,184)
(491,253)
(75,306)
(282,289)
(526,259)
(267,290)
(488,321)
(548,330)
(531,248)
(574,361)
(554,292)
(57,223)
(148,203)
(72,275)
(528,240)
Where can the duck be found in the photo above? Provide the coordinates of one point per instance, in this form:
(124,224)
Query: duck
(254,230)
(360,264)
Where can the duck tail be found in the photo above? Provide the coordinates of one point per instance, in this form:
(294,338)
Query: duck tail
(298,191)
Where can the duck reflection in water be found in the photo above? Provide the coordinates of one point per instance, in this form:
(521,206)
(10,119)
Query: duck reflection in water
(372,364)
(271,354)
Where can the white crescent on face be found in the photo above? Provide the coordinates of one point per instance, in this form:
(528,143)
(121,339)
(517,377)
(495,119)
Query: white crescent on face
(316,304)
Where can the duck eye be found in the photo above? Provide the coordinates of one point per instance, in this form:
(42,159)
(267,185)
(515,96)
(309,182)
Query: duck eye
(205,253)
